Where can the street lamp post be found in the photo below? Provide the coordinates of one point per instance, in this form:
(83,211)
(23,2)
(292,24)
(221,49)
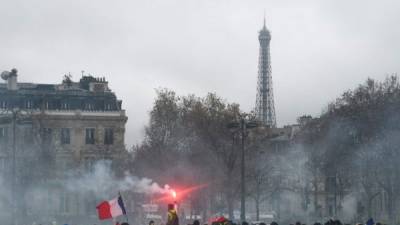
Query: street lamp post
(13,181)
(242,126)
(11,78)
(12,114)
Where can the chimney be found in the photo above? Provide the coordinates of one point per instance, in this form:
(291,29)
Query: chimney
(11,78)
(98,85)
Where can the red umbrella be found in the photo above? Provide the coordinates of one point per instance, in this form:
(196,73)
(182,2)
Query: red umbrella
(220,219)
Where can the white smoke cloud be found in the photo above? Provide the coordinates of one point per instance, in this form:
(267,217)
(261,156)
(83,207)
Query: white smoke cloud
(102,181)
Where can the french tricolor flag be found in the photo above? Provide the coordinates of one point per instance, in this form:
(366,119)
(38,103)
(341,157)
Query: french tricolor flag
(111,209)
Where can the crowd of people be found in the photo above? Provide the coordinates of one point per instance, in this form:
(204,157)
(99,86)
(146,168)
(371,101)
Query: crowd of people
(329,222)
(172,219)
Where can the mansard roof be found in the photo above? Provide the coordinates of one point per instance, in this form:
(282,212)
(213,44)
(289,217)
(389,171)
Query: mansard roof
(89,93)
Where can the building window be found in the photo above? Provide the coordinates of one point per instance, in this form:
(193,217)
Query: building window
(52,208)
(107,106)
(89,106)
(90,136)
(89,164)
(3,104)
(64,106)
(65,136)
(29,104)
(89,202)
(64,203)
(47,135)
(28,136)
(3,133)
(108,136)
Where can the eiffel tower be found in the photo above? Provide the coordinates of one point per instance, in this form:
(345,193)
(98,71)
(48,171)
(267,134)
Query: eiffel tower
(265,109)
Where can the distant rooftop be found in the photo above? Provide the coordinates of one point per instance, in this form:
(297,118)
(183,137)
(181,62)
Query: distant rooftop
(90,93)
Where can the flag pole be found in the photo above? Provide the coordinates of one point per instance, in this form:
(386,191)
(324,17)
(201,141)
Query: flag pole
(126,214)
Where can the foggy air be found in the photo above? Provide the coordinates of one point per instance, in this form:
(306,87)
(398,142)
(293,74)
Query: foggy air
(172,112)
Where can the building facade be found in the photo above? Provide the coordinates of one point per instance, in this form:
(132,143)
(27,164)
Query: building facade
(51,131)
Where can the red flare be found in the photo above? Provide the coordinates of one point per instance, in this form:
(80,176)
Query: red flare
(176,195)
(173,193)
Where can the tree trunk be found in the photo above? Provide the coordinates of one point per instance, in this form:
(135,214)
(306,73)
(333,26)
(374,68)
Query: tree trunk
(229,196)
(315,200)
(257,208)
(230,207)
(211,199)
(257,201)
(369,207)
(390,207)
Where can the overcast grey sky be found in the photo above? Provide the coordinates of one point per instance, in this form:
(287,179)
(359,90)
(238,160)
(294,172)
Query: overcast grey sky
(319,48)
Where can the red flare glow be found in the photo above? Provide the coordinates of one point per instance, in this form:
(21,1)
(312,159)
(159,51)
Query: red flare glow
(173,193)
(177,195)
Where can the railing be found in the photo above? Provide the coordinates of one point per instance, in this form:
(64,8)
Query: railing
(70,112)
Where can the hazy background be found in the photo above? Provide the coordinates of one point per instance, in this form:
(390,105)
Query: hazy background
(318,48)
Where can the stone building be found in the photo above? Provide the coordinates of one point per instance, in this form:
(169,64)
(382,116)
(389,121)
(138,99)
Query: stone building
(53,131)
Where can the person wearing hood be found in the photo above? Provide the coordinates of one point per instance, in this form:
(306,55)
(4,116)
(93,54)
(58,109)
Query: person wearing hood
(172,215)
